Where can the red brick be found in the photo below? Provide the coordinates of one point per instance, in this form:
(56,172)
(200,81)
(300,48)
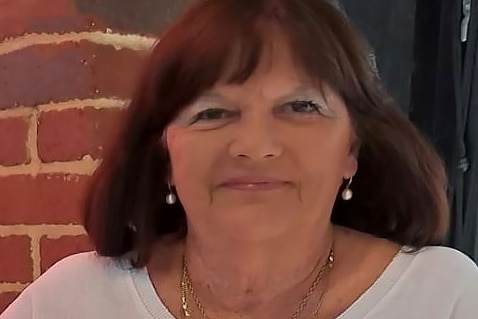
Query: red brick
(16,265)
(139,16)
(6,298)
(72,134)
(114,72)
(43,73)
(49,199)
(52,250)
(20,16)
(39,74)
(13,137)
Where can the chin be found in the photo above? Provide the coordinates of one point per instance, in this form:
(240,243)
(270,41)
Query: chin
(253,222)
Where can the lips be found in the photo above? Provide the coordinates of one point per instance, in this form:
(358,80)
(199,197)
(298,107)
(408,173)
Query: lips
(254,183)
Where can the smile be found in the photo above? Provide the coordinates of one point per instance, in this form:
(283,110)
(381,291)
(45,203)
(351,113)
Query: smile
(261,186)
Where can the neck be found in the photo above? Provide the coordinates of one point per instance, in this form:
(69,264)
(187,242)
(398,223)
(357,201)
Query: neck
(239,276)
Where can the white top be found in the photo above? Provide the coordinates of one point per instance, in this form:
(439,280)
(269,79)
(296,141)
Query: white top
(435,283)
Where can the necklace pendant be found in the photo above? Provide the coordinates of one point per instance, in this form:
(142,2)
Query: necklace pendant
(186,312)
(185,307)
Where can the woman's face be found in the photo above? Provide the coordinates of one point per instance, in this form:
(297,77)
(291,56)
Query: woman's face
(263,158)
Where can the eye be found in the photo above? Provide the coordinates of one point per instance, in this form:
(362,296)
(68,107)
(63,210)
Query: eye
(302,107)
(212,114)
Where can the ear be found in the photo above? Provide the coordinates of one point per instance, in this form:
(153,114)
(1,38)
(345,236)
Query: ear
(351,166)
(170,175)
(163,139)
(351,163)
(163,144)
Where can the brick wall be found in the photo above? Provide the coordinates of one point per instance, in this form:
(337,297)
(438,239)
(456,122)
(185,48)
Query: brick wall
(67,69)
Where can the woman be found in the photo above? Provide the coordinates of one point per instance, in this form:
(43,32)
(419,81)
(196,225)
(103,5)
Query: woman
(262,173)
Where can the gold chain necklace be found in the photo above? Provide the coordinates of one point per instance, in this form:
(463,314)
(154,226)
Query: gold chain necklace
(188,289)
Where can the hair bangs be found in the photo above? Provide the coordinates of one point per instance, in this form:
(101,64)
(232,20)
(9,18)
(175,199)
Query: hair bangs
(219,45)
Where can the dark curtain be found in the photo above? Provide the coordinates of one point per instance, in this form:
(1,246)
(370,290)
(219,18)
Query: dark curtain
(389,28)
(466,203)
(444,106)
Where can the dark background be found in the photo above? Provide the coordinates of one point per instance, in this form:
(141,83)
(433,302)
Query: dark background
(389,27)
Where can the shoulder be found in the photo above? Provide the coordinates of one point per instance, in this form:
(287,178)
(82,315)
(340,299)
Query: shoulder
(79,270)
(90,261)
(82,264)
(451,274)
(445,258)
(78,282)
(443,265)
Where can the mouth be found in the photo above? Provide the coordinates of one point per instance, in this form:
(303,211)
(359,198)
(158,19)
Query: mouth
(254,184)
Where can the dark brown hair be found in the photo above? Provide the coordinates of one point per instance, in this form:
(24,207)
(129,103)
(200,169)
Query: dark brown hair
(400,186)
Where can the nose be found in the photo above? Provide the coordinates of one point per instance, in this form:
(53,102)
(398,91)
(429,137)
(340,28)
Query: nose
(255,139)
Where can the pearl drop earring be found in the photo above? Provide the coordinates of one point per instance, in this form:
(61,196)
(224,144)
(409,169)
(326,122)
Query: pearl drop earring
(347,193)
(170,197)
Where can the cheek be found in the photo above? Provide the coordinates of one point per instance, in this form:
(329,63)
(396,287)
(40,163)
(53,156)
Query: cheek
(191,158)
(324,160)
(173,144)
(180,147)
(327,150)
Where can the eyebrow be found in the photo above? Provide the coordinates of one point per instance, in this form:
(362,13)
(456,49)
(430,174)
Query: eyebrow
(304,90)
(300,90)
(209,95)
